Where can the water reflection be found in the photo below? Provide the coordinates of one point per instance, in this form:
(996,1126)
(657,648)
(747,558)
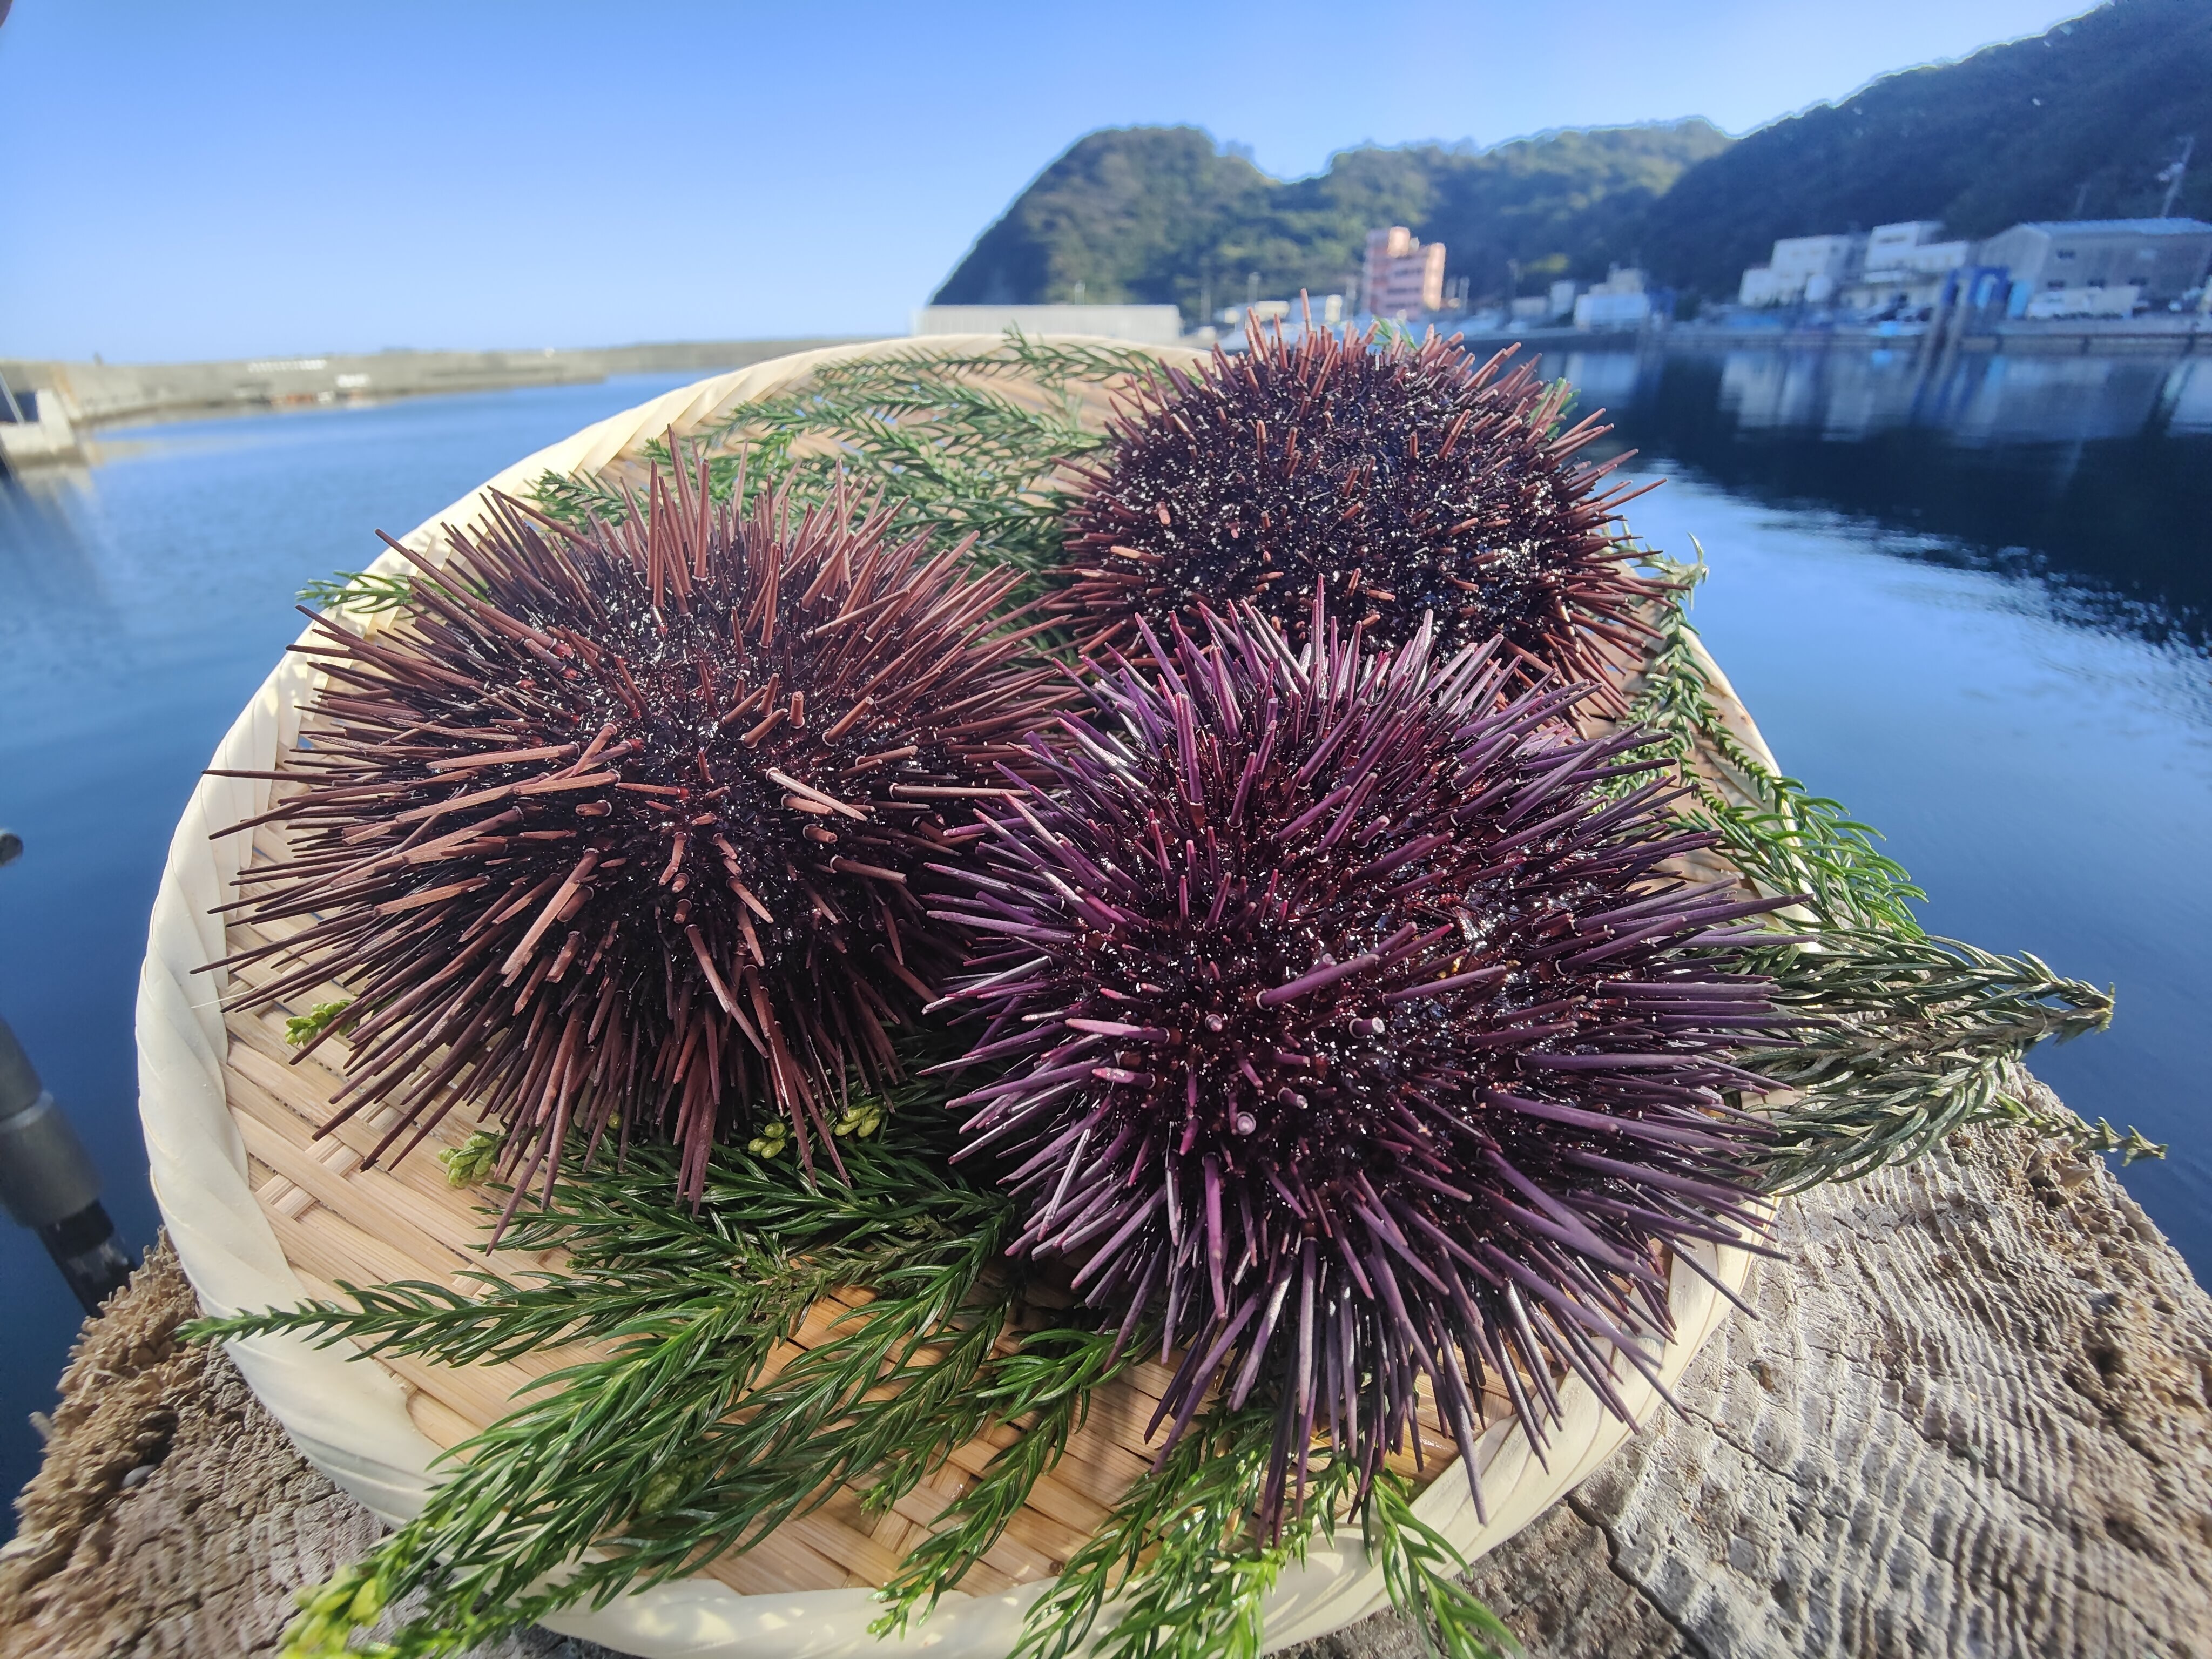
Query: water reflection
(141,602)
(2092,475)
(1972,598)
(47,567)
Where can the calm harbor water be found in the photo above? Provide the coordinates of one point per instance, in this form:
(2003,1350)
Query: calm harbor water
(1973,602)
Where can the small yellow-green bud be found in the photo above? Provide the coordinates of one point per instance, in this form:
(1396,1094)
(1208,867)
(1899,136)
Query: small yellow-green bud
(302,1029)
(368,1603)
(472,1160)
(660,1492)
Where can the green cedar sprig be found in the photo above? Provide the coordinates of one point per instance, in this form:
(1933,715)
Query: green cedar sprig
(623,1471)
(1919,1037)
(923,425)
(1178,1570)
(363,592)
(629,1469)
(1911,1037)
(1044,1389)
(929,428)
(1423,1574)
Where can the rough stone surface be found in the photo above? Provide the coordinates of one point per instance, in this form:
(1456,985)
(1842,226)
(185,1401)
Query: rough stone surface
(1973,1417)
(172,1519)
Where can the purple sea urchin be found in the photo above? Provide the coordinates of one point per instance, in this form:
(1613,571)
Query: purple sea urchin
(1355,1034)
(1401,480)
(622,823)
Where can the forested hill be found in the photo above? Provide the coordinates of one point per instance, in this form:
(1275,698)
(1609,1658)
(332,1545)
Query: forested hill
(2076,122)
(1156,215)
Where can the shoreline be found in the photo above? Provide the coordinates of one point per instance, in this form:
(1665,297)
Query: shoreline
(92,396)
(74,401)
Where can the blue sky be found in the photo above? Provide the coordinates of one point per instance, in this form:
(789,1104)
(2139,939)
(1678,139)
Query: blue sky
(219,179)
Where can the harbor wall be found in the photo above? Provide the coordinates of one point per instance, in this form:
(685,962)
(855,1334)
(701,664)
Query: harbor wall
(103,394)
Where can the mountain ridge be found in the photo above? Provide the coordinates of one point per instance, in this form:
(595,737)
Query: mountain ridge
(1155,215)
(2075,122)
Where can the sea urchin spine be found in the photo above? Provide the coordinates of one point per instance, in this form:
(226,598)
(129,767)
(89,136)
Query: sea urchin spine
(623,822)
(1398,481)
(1355,1034)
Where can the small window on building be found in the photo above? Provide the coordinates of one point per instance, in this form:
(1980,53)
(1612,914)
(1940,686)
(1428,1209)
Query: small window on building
(2066,252)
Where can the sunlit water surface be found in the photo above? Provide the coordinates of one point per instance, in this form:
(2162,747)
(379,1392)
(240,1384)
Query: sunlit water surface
(1969,602)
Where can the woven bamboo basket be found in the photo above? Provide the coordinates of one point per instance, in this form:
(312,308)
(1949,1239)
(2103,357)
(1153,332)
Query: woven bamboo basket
(264,1212)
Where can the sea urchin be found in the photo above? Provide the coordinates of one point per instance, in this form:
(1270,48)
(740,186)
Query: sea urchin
(1400,481)
(621,821)
(1356,1035)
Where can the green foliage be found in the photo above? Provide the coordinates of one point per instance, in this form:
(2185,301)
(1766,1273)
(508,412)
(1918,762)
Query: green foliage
(471,1160)
(1423,1571)
(1909,1036)
(303,1029)
(362,593)
(1158,215)
(2076,122)
(1045,1388)
(641,1456)
(1920,1037)
(676,1447)
(1178,1573)
(931,428)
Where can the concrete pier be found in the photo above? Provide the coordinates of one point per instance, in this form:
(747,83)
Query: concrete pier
(91,395)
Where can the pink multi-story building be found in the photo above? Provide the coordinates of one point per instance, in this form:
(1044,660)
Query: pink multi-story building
(1403,276)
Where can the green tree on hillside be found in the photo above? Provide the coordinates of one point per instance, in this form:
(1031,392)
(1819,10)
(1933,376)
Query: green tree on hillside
(1158,215)
(2075,123)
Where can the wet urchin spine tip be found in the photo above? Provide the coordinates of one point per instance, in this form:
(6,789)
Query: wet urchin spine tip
(1399,480)
(624,825)
(1345,1028)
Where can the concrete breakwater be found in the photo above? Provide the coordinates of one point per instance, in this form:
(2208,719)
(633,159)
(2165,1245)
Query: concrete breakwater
(87,395)
(2139,336)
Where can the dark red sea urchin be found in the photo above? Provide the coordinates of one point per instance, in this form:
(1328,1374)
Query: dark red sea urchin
(1356,1035)
(1407,480)
(621,821)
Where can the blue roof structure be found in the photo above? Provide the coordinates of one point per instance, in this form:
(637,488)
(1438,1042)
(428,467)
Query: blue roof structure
(2138,227)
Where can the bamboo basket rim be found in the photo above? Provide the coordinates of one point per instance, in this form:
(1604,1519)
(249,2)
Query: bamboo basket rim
(236,1170)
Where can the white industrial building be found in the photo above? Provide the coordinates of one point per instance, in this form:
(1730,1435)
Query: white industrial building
(2099,267)
(1903,268)
(1803,270)
(2055,267)
(1622,301)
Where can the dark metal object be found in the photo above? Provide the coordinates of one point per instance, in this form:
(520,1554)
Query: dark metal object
(48,1183)
(47,1180)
